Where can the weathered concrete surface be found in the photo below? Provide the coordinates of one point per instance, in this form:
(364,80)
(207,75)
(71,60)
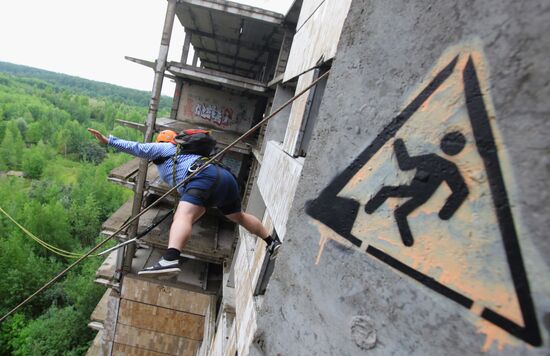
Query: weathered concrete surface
(203,105)
(353,303)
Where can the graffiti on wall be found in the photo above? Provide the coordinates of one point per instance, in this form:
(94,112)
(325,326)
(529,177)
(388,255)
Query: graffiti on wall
(219,116)
(428,198)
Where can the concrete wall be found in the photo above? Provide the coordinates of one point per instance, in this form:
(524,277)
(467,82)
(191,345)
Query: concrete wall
(424,100)
(211,107)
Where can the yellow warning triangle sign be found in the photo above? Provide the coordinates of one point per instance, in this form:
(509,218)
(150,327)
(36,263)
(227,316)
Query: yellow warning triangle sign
(428,197)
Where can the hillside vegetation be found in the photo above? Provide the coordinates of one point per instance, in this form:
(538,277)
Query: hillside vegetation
(86,87)
(62,197)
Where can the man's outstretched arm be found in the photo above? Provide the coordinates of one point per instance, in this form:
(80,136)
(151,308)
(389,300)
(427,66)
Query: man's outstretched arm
(148,151)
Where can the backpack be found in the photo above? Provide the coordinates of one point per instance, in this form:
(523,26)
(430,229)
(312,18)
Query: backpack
(195,141)
(192,141)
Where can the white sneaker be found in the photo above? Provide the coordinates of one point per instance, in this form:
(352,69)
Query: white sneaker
(162,267)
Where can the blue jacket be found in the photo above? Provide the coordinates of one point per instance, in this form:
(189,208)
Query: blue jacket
(152,151)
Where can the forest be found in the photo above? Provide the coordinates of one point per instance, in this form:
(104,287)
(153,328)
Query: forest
(53,183)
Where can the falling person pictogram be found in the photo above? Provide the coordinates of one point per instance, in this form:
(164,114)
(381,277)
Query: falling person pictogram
(431,171)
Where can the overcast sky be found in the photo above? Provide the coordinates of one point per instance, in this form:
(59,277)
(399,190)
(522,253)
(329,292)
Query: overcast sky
(89,39)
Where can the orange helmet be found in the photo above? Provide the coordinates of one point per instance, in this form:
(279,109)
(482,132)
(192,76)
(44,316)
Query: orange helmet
(167,136)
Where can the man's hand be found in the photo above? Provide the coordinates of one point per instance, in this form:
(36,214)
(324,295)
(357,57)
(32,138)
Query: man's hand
(102,139)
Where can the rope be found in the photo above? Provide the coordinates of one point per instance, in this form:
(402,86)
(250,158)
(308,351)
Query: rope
(187,179)
(51,248)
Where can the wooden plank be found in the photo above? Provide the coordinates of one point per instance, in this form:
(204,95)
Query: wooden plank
(125,171)
(231,348)
(202,244)
(318,37)
(209,326)
(122,215)
(100,311)
(307,9)
(108,267)
(217,78)
(296,120)
(108,334)
(191,277)
(117,219)
(160,319)
(95,347)
(277,181)
(126,350)
(155,341)
(127,176)
(95,325)
(165,296)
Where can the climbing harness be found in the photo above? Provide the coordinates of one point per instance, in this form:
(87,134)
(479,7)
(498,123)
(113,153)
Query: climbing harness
(170,191)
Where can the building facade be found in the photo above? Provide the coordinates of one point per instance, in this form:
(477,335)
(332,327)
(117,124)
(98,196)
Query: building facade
(408,186)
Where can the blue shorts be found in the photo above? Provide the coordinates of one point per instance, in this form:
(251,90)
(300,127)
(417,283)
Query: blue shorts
(225,197)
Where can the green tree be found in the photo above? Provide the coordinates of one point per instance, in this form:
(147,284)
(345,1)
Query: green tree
(84,219)
(50,223)
(11,152)
(21,125)
(91,152)
(58,332)
(9,331)
(34,160)
(24,272)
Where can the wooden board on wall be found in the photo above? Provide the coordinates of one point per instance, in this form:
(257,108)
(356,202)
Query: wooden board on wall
(95,347)
(126,350)
(165,296)
(160,319)
(155,341)
(109,324)
(296,124)
(108,267)
(318,36)
(101,309)
(277,181)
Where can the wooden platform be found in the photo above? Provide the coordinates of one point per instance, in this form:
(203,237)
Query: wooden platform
(193,276)
(116,220)
(212,237)
(126,174)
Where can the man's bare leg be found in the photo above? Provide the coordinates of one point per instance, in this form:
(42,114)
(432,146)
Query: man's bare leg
(250,223)
(184,218)
(180,232)
(255,226)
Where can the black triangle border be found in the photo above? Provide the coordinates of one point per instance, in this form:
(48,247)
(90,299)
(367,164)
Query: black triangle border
(339,213)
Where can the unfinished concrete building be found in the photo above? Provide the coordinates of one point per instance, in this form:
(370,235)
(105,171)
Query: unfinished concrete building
(409,189)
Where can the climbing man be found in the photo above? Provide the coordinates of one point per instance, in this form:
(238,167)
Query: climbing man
(213,186)
(431,171)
